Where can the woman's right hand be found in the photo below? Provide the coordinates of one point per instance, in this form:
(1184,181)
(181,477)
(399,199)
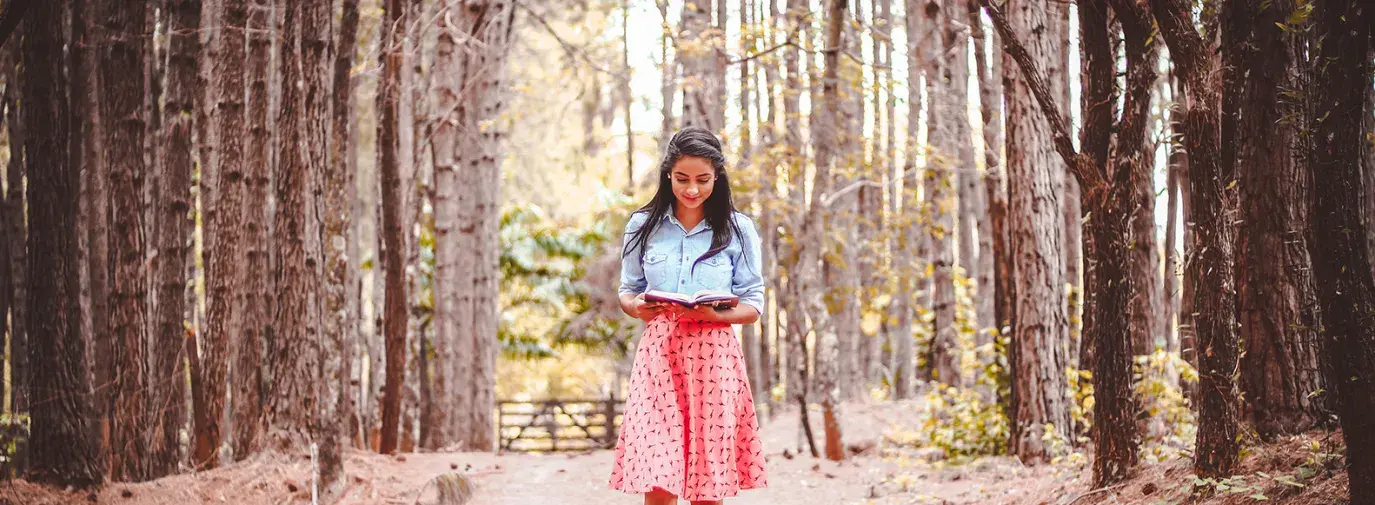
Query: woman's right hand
(645,310)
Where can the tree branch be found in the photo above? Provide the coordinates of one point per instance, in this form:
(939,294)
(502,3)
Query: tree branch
(1090,178)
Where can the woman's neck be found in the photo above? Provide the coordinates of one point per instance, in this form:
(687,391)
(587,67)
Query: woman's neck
(688,217)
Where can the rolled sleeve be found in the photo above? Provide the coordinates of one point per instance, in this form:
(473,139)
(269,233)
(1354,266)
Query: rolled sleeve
(632,271)
(747,281)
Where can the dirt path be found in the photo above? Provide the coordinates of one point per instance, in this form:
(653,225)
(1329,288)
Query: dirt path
(881,475)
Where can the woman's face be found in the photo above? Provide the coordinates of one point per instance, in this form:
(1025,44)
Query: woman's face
(693,179)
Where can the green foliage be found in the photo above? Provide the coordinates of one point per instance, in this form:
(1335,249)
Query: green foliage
(14,434)
(962,423)
(1157,385)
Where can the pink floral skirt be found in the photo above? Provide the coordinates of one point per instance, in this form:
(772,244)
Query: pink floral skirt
(689,426)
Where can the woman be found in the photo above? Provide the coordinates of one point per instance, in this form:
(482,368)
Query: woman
(689,428)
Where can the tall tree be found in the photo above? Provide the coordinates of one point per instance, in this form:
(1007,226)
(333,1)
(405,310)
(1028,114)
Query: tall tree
(842,278)
(1108,188)
(697,42)
(225,217)
(326,226)
(1340,259)
(294,399)
(940,191)
(168,374)
(1214,311)
(1034,211)
(247,348)
(993,228)
(15,227)
(62,446)
(1280,371)
(394,313)
(826,156)
(906,225)
(122,49)
(449,399)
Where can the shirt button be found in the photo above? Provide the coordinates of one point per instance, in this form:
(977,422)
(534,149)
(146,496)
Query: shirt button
(682,282)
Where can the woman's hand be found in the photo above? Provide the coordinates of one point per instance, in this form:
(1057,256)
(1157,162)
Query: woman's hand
(700,313)
(644,310)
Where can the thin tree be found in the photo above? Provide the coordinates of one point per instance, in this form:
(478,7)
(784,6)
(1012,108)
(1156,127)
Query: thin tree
(394,312)
(1340,258)
(62,446)
(992,229)
(122,49)
(16,228)
(828,344)
(1214,309)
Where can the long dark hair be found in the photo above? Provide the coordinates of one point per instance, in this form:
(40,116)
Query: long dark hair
(719,208)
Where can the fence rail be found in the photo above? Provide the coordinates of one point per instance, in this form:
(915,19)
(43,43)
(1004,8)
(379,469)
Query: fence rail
(559,425)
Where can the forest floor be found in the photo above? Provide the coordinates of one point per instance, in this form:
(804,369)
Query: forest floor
(882,473)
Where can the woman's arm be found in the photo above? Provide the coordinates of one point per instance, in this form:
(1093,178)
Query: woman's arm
(739,314)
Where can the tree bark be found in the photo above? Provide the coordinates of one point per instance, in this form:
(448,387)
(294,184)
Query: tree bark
(1277,299)
(62,448)
(394,313)
(696,49)
(16,120)
(1214,303)
(939,195)
(225,217)
(168,401)
(293,401)
(1034,214)
(829,134)
(448,400)
(1117,239)
(1340,259)
(123,30)
(247,347)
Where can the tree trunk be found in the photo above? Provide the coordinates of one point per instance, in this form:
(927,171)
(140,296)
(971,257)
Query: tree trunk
(1171,249)
(326,240)
(826,155)
(62,449)
(939,194)
(495,26)
(1034,214)
(124,27)
(448,398)
(394,314)
(843,280)
(696,49)
(248,347)
(1277,296)
(1179,162)
(293,402)
(1340,259)
(225,218)
(1123,274)
(168,375)
(668,81)
(1214,303)
(991,227)
(15,226)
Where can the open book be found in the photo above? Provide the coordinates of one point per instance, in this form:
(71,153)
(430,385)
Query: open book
(717,299)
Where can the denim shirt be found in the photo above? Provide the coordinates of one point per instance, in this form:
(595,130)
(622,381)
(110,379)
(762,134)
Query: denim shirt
(672,250)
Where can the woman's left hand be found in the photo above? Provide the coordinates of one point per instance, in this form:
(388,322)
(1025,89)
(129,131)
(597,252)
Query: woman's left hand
(703,313)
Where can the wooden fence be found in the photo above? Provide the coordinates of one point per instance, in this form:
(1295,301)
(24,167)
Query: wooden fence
(559,425)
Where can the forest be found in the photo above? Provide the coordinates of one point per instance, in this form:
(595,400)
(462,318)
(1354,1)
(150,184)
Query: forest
(272,251)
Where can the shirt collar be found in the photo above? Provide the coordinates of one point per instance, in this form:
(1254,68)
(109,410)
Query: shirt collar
(702,226)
